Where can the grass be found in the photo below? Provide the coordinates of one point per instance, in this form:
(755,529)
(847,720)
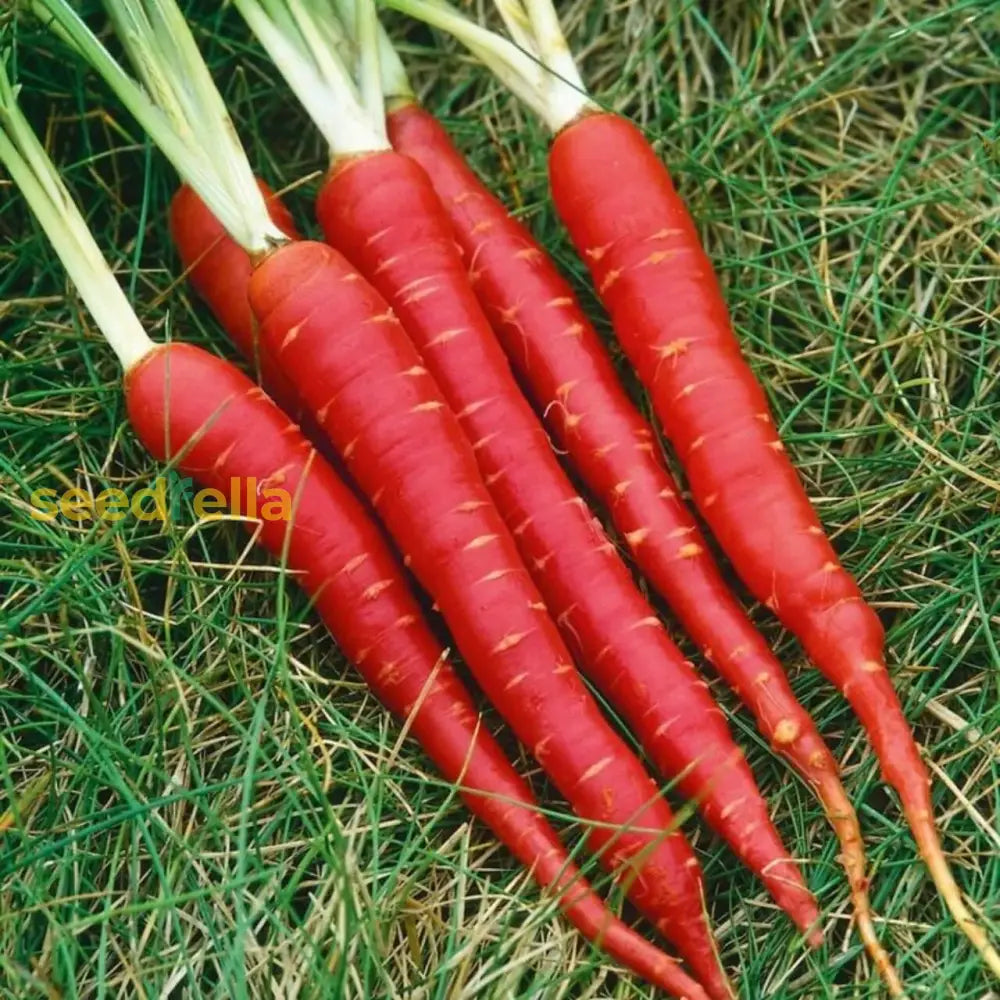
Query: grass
(198,797)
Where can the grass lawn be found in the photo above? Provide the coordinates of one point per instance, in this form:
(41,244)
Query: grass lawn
(198,798)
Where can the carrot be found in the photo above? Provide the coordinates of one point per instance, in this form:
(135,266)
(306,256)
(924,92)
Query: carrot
(211,422)
(615,634)
(380,210)
(573,382)
(361,378)
(228,429)
(189,213)
(642,249)
(670,317)
(219,270)
(367,386)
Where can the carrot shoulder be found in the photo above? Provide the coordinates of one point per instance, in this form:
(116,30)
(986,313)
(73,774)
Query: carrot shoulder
(219,270)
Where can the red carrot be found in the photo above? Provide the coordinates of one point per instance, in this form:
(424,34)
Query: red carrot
(647,262)
(220,269)
(189,215)
(214,424)
(361,377)
(382,213)
(642,248)
(204,415)
(574,384)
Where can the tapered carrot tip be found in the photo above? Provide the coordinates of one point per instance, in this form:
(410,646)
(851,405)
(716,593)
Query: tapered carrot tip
(854,863)
(765,853)
(929,844)
(710,975)
(853,859)
(811,756)
(718,987)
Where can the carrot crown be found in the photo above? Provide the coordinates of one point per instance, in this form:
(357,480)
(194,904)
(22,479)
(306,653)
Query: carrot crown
(39,181)
(178,105)
(535,62)
(308,43)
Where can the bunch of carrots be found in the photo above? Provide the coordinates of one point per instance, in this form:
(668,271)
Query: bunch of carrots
(410,376)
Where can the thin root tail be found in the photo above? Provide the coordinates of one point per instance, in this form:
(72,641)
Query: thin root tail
(929,843)
(845,823)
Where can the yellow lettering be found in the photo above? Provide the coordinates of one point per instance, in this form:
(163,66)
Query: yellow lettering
(243,489)
(43,504)
(112,505)
(277,505)
(158,494)
(75,505)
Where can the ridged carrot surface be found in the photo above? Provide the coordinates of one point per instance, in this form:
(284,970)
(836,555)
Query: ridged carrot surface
(383,214)
(221,264)
(363,380)
(197,410)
